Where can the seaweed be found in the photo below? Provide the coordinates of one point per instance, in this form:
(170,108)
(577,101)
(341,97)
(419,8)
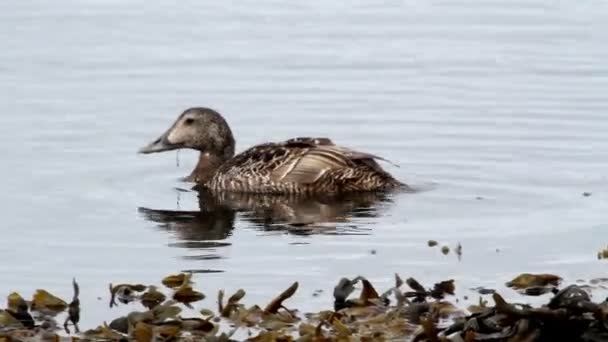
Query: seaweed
(407,310)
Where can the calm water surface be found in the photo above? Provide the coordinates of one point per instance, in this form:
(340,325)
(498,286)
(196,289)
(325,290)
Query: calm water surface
(496,111)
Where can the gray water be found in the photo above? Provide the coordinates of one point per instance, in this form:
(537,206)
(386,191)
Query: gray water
(496,111)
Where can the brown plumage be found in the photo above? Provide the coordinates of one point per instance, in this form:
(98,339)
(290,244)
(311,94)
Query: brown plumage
(297,166)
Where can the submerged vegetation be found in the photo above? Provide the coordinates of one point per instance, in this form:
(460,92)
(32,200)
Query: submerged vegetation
(406,311)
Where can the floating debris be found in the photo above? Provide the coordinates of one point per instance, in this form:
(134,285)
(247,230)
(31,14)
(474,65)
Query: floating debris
(458,251)
(445,250)
(603,254)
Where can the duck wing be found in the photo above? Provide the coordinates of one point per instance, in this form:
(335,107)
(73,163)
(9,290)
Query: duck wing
(349,153)
(312,158)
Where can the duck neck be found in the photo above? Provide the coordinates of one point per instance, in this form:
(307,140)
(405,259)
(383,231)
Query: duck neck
(206,167)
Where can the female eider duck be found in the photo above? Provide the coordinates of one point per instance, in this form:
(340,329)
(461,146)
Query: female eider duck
(296,166)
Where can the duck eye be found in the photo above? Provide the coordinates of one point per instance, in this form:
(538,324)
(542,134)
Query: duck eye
(189,121)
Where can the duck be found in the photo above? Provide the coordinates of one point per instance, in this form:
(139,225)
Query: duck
(300,165)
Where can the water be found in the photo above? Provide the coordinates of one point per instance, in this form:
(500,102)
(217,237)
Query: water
(497,111)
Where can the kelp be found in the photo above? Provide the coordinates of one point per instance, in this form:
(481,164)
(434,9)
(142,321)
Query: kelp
(277,303)
(152,297)
(44,301)
(534,284)
(176,280)
(73,309)
(125,293)
(408,310)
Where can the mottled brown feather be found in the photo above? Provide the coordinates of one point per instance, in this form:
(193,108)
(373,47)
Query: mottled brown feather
(301,165)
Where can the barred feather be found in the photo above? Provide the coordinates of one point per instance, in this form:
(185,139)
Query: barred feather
(301,165)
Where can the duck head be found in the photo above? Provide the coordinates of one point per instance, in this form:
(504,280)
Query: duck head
(199,128)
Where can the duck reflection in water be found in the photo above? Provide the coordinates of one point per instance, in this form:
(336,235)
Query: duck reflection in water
(293,214)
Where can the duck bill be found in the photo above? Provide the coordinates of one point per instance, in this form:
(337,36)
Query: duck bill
(161,144)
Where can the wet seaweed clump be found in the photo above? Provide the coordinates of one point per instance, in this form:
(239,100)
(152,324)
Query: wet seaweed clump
(24,320)
(535,284)
(407,311)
